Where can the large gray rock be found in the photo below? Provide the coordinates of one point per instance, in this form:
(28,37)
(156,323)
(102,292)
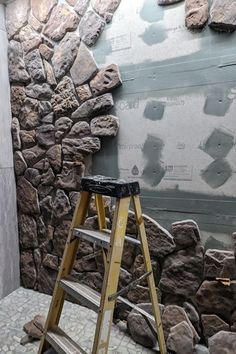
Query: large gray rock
(86,145)
(223,15)
(54,157)
(182,272)
(48,174)
(45,108)
(33,176)
(196,13)
(34,23)
(91,27)
(60,236)
(174,315)
(27,231)
(62,19)
(51,261)
(84,92)
(107,79)
(27,197)
(70,176)
(41,9)
(33,155)
(106,8)
(29,115)
(45,51)
(61,204)
(180,339)
(28,270)
(17,71)
(15,131)
(30,39)
(16,16)
(192,315)
(213,324)
(138,327)
(107,125)
(45,135)
(222,342)
(200,349)
(28,138)
(40,92)
(84,67)
(34,65)
(79,130)
(81,7)
(62,126)
(17,98)
(186,234)
(49,73)
(94,107)
(46,280)
(19,163)
(64,99)
(64,54)
(215,297)
(219,264)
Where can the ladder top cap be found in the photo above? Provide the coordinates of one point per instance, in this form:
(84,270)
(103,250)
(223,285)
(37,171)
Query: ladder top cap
(118,188)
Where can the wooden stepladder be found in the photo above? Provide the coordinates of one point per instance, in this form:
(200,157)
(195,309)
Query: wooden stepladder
(111,243)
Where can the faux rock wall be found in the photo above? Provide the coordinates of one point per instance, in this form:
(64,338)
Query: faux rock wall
(60,112)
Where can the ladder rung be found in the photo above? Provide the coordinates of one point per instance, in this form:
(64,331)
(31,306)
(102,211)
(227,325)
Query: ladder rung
(91,298)
(62,343)
(84,294)
(101,238)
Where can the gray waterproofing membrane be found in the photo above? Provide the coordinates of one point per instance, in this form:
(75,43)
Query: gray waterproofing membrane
(177,113)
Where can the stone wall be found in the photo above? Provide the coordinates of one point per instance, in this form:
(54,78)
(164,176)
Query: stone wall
(9,250)
(60,112)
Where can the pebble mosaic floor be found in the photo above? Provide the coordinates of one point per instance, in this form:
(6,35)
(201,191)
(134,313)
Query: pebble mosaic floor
(23,304)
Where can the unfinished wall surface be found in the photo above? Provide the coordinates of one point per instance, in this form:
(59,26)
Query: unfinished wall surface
(60,101)
(9,249)
(177,111)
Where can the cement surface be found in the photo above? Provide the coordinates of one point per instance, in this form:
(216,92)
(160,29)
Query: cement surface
(22,305)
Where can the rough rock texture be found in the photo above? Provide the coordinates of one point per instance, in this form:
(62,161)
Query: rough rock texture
(94,106)
(174,315)
(27,197)
(212,324)
(29,114)
(64,99)
(34,23)
(64,54)
(84,67)
(81,6)
(167,2)
(19,163)
(34,65)
(62,19)
(223,15)
(27,232)
(41,92)
(17,71)
(186,234)
(87,145)
(91,27)
(28,270)
(15,131)
(182,272)
(62,126)
(222,342)
(18,10)
(215,295)
(219,264)
(180,339)
(29,38)
(45,51)
(45,135)
(196,13)
(105,9)
(17,98)
(41,9)
(105,125)
(84,92)
(106,80)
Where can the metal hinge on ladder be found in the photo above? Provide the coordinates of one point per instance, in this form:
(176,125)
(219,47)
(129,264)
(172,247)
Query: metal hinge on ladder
(113,243)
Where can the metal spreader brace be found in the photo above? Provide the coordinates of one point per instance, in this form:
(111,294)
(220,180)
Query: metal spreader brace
(111,243)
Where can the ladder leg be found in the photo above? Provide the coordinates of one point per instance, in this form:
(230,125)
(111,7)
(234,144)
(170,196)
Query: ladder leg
(111,278)
(148,267)
(101,221)
(66,266)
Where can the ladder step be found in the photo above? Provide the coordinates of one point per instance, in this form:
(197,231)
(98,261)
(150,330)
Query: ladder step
(82,293)
(62,343)
(91,298)
(101,238)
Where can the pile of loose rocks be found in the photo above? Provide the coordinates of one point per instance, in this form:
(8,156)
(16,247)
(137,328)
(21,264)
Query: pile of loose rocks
(60,103)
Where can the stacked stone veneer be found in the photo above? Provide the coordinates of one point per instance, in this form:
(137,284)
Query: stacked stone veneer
(60,102)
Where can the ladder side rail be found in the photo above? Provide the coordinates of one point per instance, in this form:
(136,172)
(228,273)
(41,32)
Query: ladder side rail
(66,266)
(102,223)
(111,277)
(148,267)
